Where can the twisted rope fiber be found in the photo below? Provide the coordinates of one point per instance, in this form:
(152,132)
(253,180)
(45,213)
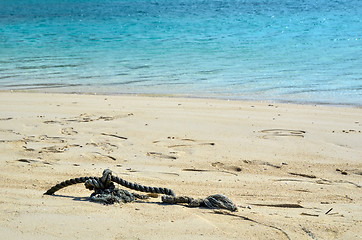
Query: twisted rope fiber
(214,201)
(142,188)
(66,183)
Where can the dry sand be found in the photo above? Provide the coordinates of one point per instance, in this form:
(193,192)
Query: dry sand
(262,156)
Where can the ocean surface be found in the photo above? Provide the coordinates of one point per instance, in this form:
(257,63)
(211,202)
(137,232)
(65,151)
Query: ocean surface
(304,51)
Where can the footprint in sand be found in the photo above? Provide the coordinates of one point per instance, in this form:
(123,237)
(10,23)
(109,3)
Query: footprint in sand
(178,145)
(262,163)
(245,166)
(43,138)
(54,149)
(105,146)
(282,133)
(68,131)
(11,135)
(46,144)
(222,166)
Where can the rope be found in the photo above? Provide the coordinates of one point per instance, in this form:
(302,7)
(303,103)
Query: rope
(66,183)
(105,182)
(106,192)
(142,188)
(214,201)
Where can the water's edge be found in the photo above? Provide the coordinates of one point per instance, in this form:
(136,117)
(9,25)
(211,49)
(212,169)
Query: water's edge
(184,96)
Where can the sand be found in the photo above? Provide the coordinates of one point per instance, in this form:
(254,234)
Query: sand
(294,171)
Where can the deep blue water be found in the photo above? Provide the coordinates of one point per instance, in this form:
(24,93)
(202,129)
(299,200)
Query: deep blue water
(307,51)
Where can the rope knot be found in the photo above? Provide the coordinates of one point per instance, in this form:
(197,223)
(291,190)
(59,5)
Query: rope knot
(105,182)
(107,177)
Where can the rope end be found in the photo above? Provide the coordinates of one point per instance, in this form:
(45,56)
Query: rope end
(220,201)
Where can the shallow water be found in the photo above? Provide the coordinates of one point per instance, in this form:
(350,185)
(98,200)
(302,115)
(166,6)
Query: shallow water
(281,50)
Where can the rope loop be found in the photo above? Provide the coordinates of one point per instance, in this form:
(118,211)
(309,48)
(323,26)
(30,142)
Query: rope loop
(107,177)
(105,182)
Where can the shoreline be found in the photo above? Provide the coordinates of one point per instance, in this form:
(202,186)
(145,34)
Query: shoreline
(294,171)
(181,96)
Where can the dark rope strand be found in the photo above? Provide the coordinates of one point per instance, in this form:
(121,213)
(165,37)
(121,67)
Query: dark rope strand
(66,183)
(142,188)
(215,201)
(182,199)
(95,182)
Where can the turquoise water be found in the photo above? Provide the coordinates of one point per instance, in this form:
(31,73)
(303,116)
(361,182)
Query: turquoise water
(306,51)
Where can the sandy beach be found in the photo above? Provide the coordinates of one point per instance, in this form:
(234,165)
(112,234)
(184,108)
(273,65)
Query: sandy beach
(294,171)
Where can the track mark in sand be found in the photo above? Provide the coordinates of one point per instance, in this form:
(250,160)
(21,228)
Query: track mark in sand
(170,173)
(161,155)
(354,171)
(11,136)
(179,146)
(251,220)
(226,168)
(343,172)
(52,122)
(69,131)
(349,182)
(25,160)
(259,162)
(28,149)
(9,131)
(302,175)
(309,214)
(6,119)
(207,170)
(182,143)
(280,205)
(291,180)
(85,117)
(36,143)
(319,181)
(282,133)
(105,155)
(244,165)
(349,131)
(114,135)
(310,234)
(41,138)
(195,170)
(190,145)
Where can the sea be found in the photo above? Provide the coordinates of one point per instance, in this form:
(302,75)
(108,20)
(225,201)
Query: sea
(299,51)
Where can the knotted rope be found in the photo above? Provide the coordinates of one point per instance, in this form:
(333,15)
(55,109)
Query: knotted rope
(106,192)
(105,182)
